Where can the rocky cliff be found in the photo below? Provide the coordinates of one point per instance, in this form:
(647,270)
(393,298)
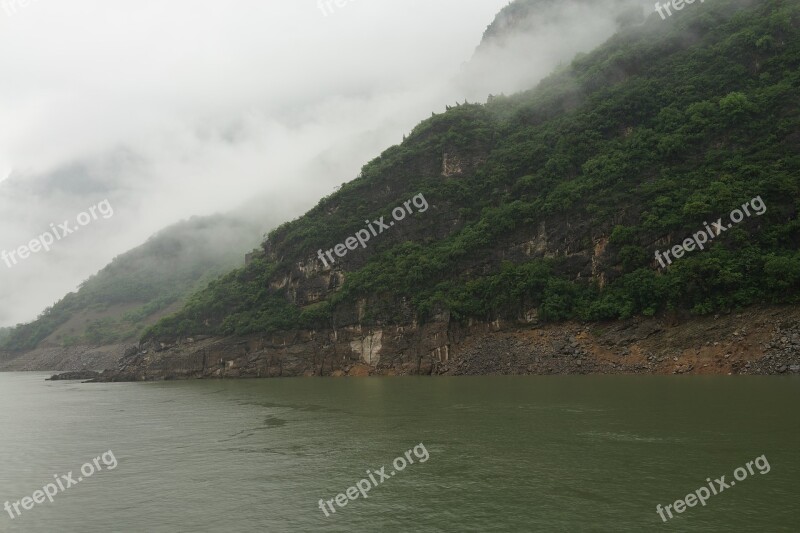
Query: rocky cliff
(760,341)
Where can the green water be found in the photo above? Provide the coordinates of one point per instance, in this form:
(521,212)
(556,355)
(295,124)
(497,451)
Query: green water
(505,453)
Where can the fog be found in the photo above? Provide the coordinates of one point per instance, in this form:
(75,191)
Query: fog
(181,108)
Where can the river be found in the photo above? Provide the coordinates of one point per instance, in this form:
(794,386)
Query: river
(578,453)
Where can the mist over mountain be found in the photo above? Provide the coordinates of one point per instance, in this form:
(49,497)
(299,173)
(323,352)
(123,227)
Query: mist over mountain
(128,177)
(243,103)
(137,287)
(161,151)
(529,39)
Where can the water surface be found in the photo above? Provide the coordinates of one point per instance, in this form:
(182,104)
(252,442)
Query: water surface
(583,453)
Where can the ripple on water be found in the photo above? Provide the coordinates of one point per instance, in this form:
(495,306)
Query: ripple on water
(270,422)
(620,437)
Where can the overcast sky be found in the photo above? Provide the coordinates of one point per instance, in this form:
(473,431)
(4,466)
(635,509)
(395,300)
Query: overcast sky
(191,107)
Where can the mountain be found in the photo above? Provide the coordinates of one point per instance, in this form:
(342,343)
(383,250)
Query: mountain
(542,208)
(113,307)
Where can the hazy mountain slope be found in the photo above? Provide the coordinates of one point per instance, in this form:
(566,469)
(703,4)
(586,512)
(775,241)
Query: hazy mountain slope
(541,207)
(137,287)
(529,38)
(531,16)
(552,203)
(544,206)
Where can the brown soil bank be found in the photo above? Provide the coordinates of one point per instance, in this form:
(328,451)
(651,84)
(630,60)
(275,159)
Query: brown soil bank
(757,341)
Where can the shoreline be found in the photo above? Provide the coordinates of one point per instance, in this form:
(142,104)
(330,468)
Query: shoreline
(757,341)
(762,341)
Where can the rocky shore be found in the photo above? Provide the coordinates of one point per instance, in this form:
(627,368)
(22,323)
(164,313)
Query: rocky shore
(75,376)
(759,341)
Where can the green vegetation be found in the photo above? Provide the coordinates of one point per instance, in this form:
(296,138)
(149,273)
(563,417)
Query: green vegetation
(628,150)
(116,304)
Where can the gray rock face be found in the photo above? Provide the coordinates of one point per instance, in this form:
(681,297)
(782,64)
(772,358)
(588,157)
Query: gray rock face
(783,350)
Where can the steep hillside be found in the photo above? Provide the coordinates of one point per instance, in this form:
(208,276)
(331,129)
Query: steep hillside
(138,287)
(541,207)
